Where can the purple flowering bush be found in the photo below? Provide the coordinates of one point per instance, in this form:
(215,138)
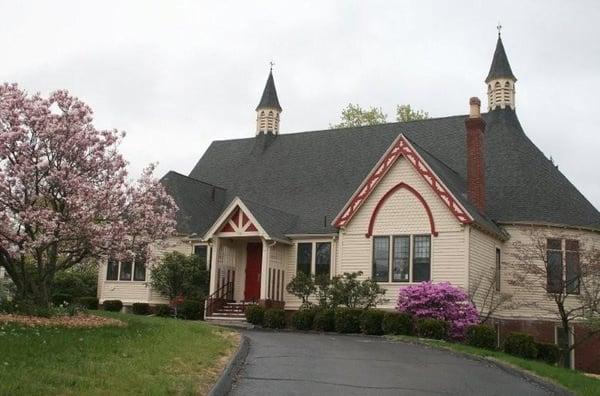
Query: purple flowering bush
(439,301)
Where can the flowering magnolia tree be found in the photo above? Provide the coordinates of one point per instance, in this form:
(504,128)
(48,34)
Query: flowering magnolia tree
(439,301)
(64,192)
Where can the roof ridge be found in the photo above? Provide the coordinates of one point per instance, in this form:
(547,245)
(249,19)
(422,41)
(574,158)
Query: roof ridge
(194,179)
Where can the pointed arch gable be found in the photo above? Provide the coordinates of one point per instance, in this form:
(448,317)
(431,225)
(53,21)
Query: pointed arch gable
(391,192)
(401,147)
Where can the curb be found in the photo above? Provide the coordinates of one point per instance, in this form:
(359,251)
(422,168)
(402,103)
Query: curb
(225,381)
(542,382)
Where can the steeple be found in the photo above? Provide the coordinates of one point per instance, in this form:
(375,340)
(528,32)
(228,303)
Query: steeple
(500,80)
(268,110)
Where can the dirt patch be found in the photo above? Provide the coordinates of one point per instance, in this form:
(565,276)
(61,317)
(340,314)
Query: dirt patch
(212,374)
(77,321)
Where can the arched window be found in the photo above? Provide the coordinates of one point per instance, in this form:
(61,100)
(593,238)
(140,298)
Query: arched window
(270,114)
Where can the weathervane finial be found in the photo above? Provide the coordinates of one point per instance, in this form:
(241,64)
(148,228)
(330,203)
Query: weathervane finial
(499,27)
(271,64)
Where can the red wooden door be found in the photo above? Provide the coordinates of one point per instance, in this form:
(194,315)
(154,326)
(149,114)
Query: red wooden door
(253,269)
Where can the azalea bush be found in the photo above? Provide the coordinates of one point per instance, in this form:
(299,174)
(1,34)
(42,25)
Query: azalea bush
(439,301)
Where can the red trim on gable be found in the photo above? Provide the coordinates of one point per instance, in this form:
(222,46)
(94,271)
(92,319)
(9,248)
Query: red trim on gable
(227,228)
(401,148)
(245,220)
(389,194)
(251,228)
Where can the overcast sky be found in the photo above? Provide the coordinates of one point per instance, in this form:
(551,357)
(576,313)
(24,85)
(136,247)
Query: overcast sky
(177,75)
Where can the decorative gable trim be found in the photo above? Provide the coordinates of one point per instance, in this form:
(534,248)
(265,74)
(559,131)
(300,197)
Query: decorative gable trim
(388,194)
(236,220)
(401,147)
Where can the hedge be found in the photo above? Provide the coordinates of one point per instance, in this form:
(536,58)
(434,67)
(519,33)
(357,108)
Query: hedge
(324,320)
(549,353)
(191,310)
(481,336)
(371,321)
(255,314)
(274,318)
(61,298)
(520,344)
(303,319)
(163,310)
(141,308)
(87,302)
(433,328)
(113,305)
(347,320)
(397,323)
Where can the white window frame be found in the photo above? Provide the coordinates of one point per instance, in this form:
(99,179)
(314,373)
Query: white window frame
(313,255)
(390,280)
(133,265)
(208,253)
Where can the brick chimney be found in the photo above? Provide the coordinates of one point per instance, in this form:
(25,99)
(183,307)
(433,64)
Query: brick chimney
(475,155)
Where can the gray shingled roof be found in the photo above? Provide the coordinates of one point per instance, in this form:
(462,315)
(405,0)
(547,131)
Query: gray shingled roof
(269,97)
(500,67)
(311,175)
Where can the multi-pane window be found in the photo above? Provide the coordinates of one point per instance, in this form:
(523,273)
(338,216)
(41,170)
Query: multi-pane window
(407,265)
(314,257)
(422,258)
(562,269)
(401,259)
(323,258)
(381,259)
(304,258)
(202,252)
(127,270)
(498,269)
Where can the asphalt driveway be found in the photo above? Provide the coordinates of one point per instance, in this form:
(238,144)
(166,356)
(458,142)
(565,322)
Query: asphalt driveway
(282,363)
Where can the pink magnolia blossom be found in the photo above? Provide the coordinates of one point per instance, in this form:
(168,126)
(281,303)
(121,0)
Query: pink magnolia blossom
(64,190)
(439,301)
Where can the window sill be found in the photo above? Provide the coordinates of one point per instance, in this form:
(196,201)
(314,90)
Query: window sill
(124,281)
(400,283)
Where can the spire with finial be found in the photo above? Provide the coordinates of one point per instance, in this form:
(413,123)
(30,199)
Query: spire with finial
(500,80)
(268,110)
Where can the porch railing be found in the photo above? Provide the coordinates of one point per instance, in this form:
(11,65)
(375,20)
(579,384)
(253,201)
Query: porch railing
(216,300)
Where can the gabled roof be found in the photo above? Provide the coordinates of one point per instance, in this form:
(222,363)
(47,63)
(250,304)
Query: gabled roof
(199,203)
(269,97)
(312,175)
(500,67)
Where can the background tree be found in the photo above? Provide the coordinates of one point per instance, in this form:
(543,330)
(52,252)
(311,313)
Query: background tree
(64,193)
(571,295)
(406,113)
(355,116)
(180,275)
(485,290)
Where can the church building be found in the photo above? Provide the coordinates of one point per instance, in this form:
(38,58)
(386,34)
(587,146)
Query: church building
(443,199)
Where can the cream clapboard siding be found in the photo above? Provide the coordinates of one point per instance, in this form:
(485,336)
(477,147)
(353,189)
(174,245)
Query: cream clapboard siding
(139,291)
(401,214)
(532,302)
(482,268)
(277,261)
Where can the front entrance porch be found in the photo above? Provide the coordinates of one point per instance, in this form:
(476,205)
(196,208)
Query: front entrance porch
(245,270)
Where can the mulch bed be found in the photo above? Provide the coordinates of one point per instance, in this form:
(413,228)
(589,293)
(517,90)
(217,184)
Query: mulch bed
(77,321)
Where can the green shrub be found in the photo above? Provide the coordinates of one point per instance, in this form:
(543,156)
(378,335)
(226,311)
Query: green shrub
(79,281)
(87,302)
(163,310)
(255,314)
(397,323)
(113,305)
(549,353)
(481,336)
(347,320)
(520,344)
(274,318)
(371,321)
(61,298)
(324,320)
(191,310)
(141,308)
(433,328)
(303,319)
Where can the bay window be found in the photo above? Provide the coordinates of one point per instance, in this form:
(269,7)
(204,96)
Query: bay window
(127,270)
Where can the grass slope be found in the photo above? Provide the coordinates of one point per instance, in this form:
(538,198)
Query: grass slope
(151,356)
(573,380)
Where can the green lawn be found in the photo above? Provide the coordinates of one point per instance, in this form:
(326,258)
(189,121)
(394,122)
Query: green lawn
(570,379)
(151,356)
